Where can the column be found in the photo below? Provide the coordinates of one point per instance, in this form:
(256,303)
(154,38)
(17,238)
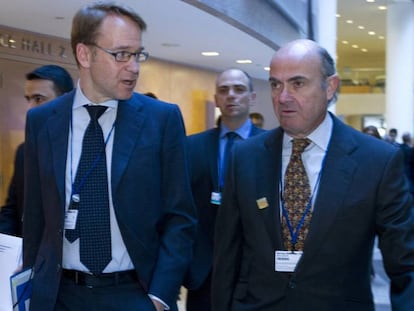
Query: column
(325,30)
(400,67)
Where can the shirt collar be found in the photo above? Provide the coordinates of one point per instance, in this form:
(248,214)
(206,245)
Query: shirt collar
(81,100)
(320,136)
(243,131)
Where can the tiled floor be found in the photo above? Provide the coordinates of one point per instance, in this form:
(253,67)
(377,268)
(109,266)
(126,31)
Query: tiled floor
(181,302)
(380,284)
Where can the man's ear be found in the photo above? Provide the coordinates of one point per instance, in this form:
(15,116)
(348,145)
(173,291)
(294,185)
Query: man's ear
(84,55)
(332,86)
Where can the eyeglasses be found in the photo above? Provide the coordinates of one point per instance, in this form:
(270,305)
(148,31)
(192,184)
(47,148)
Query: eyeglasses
(124,56)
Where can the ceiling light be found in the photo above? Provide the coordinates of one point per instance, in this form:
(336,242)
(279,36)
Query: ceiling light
(244,61)
(345,42)
(371,33)
(338,15)
(350,21)
(210,53)
(266,68)
(370,0)
(361,27)
(364,50)
(355,46)
(381,37)
(382,7)
(170,45)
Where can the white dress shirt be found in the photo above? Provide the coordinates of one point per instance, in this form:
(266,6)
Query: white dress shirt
(312,156)
(80,120)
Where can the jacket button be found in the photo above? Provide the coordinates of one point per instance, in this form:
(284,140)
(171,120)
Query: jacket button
(292,285)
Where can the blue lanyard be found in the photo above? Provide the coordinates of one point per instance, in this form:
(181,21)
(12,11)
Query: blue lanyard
(76,191)
(294,232)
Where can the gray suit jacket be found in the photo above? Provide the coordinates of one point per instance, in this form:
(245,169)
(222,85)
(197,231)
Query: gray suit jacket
(362,193)
(150,187)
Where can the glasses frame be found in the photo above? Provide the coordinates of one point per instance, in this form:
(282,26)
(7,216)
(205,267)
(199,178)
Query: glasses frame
(125,56)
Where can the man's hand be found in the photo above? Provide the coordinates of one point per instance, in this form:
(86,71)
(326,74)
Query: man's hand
(158,305)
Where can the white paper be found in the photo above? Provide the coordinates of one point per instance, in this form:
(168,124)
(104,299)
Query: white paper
(10,262)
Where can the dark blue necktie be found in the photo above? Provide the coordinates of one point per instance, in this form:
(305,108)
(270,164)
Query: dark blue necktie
(91,198)
(231,137)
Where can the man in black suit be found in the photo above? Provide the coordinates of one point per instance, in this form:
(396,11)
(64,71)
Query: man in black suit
(128,246)
(234,97)
(304,202)
(42,85)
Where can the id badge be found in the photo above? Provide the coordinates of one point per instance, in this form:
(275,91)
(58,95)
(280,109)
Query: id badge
(286,261)
(215,198)
(70,219)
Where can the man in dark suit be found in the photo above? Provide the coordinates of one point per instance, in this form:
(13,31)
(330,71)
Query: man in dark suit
(234,96)
(408,152)
(269,257)
(150,215)
(42,85)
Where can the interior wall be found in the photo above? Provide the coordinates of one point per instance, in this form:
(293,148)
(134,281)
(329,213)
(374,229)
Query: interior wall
(177,83)
(191,88)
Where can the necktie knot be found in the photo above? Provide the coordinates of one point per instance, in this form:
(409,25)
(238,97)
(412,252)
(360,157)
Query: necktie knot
(299,145)
(95,111)
(231,136)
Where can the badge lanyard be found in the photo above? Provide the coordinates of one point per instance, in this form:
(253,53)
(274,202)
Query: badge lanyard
(76,191)
(294,232)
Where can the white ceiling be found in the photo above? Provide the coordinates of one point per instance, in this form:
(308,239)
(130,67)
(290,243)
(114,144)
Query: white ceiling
(173,22)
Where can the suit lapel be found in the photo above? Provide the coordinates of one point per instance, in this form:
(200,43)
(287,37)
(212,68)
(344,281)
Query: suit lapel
(125,137)
(267,173)
(333,188)
(58,131)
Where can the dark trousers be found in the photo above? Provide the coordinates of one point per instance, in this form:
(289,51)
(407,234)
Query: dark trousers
(200,299)
(125,296)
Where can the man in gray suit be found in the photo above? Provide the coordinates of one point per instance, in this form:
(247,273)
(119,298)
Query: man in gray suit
(269,257)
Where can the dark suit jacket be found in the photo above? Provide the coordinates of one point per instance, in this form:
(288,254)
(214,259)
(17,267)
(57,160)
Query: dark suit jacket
(150,188)
(12,212)
(203,151)
(408,164)
(362,193)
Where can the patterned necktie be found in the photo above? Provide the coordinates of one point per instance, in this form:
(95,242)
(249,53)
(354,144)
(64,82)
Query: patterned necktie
(296,196)
(92,201)
(231,137)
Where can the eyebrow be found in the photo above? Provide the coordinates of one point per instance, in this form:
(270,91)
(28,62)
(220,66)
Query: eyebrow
(272,79)
(124,48)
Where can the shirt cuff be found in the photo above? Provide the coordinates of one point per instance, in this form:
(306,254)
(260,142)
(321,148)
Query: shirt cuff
(166,307)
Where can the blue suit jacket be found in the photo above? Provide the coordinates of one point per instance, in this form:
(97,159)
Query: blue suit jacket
(362,193)
(203,149)
(12,212)
(150,187)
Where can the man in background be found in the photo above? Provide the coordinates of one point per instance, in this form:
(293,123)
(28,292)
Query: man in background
(208,151)
(392,137)
(42,85)
(408,151)
(257,119)
(304,202)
